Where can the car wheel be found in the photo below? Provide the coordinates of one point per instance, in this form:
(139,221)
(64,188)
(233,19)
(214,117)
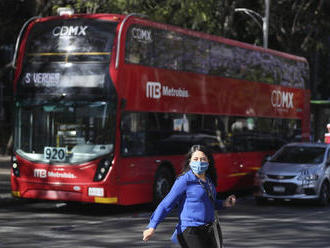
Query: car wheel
(162,185)
(324,195)
(261,201)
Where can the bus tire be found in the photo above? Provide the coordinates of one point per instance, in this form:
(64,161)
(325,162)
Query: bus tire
(324,195)
(162,184)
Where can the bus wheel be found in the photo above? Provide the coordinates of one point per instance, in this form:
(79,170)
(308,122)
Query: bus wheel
(162,185)
(324,195)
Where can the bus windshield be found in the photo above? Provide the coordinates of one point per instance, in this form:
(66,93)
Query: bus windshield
(64,131)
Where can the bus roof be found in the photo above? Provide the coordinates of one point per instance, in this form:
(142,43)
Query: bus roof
(144,21)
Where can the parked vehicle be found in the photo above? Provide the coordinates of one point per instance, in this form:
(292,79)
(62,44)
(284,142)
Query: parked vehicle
(296,171)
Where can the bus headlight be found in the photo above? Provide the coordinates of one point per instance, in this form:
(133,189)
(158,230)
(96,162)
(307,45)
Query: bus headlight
(15,166)
(102,169)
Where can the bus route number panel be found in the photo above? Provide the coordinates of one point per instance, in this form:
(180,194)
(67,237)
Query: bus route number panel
(55,153)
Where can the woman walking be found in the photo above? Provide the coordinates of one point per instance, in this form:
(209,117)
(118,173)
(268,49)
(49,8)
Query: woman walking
(195,195)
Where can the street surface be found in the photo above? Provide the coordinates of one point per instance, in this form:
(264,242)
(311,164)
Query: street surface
(26,223)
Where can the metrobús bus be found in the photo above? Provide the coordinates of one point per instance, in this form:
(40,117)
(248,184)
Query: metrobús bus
(107,105)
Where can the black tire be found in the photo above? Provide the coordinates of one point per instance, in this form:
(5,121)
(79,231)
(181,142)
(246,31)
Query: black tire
(261,201)
(162,184)
(324,195)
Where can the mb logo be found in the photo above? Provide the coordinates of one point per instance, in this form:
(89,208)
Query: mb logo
(153,90)
(41,173)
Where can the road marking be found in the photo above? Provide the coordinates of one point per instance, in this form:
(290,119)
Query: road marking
(4,171)
(5,195)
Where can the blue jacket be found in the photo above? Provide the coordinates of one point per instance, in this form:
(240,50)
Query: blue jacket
(194,206)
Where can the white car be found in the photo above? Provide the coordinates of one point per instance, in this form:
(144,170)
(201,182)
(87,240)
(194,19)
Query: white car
(296,171)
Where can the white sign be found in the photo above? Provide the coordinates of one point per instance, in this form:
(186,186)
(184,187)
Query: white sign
(282,99)
(153,90)
(95,191)
(50,79)
(54,153)
(142,35)
(279,189)
(42,79)
(70,31)
(42,173)
(156,90)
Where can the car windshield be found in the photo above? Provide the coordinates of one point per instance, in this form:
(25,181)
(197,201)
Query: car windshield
(299,155)
(64,131)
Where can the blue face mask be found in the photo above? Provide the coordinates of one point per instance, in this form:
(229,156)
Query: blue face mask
(198,167)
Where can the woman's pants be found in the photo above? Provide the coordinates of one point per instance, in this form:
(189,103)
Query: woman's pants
(198,237)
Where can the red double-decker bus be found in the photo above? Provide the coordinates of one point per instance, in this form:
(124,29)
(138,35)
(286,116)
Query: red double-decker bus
(107,105)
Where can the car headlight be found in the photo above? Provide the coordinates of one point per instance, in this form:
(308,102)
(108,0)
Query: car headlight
(312,177)
(307,177)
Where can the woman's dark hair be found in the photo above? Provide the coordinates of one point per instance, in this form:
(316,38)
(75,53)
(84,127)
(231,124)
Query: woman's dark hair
(211,171)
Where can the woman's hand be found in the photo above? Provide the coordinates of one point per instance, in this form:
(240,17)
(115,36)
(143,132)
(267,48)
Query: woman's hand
(230,201)
(148,233)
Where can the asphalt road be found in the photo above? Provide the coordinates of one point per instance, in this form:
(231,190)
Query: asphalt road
(50,224)
(25,223)
(5,195)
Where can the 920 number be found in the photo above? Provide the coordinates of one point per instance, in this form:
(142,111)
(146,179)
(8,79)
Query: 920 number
(54,153)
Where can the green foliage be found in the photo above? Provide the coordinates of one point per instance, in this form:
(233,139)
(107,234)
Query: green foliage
(296,26)
(13,14)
